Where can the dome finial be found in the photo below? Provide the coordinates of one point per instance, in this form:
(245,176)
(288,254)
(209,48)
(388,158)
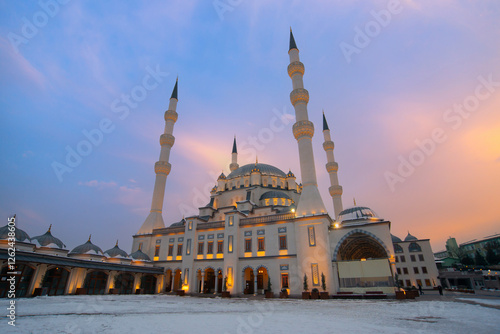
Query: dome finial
(354,199)
(256,160)
(116,243)
(90,236)
(50,227)
(293,45)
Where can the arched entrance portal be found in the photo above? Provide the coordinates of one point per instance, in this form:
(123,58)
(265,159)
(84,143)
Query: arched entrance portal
(248,278)
(95,282)
(148,283)
(22,280)
(124,283)
(177,285)
(55,281)
(363,263)
(262,279)
(220,280)
(209,286)
(168,280)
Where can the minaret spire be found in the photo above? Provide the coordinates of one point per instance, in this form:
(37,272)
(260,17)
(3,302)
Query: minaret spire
(234,157)
(162,168)
(332,167)
(310,200)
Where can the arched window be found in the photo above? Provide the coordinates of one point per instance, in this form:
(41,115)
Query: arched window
(398,249)
(414,247)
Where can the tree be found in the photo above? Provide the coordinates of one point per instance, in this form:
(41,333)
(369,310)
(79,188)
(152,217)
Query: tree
(306,287)
(479,259)
(466,260)
(269,285)
(323,282)
(493,252)
(224,286)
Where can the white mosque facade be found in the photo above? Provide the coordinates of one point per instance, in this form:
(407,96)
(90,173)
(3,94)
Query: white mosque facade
(261,231)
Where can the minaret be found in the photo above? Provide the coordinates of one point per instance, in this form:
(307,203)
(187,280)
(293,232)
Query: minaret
(234,157)
(162,168)
(332,167)
(310,200)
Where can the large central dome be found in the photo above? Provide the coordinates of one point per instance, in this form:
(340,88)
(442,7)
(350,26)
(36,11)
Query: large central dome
(263,168)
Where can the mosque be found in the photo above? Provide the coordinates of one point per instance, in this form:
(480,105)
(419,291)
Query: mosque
(261,231)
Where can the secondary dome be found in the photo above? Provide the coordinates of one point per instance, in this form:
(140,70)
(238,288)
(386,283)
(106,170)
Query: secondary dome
(48,240)
(20,234)
(410,237)
(395,239)
(357,213)
(138,255)
(116,252)
(87,248)
(274,194)
(263,168)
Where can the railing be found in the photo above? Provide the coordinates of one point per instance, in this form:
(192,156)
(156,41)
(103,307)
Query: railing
(206,226)
(267,219)
(174,229)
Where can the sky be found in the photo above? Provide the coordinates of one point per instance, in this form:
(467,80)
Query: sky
(410,89)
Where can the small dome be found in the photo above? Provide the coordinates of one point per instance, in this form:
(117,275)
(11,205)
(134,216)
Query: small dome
(48,240)
(116,252)
(357,213)
(87,248)
(221,176)
(139,256)
(263,168)
(21,236)
(274,194)
(290,174)
(410,237)
(395,239)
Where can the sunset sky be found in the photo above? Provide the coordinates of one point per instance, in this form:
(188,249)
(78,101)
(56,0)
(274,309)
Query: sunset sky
(413,105)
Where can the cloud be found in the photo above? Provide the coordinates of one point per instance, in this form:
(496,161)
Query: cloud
(98,184)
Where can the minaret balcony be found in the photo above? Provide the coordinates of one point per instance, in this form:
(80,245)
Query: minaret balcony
(296,68)
(332,167)
(303,128)
(171,115)
(299,95)
(167,139)
(328,145)
(162,167)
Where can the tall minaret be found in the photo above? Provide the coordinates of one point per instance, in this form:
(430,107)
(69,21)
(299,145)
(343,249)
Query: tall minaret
(332,167)
(234,157)
(162,168)
(310,200)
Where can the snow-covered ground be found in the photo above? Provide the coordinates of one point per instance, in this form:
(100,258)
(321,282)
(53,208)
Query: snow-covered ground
(494,302)
(173,314)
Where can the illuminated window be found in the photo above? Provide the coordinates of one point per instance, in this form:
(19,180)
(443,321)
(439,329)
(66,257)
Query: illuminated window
(230,276)
(210,247)
(220,246)
(248,245)
(140,245)
(157,250)
(408,282)
(261,244)
(405,271)
(188,247)
(424,270)
(231,220)
(200,247)
(186,276)
(284,281)
(419,282)
(312,236)
(282,239)
(230,243)
(190,225)
(179,249)
(170,250)
(427,282)
(315,273)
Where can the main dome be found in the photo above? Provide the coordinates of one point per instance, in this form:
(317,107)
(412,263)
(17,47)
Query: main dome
(357,212)
(263,168)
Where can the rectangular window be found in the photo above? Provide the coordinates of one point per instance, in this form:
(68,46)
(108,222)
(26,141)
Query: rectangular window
(229,276)
(179,249)
(157,250)
(188,247)
(284,281)
(140,246)
(315,273)
(190,225)
(412,258)
(399,271)
(312,236)
(231,220)
(408,282)
(170,250)
(186,276)
(248,245)
(405,271)
(427,282)
(200,247)
(403,258)
(261,244)
(220,246)
(424,270)
(210,247)
(419,282)
(415,270)
(397,259)
(230,243)
(420,257)
(282,242)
